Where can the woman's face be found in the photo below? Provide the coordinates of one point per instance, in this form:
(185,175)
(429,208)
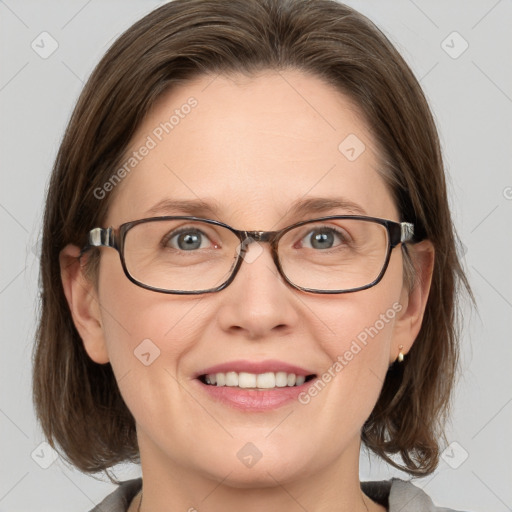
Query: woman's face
(251,148)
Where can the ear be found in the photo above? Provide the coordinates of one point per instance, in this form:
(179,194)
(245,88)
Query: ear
(413,300)
(83,303)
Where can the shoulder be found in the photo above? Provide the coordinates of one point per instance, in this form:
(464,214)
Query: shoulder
(120,499)
(401,495)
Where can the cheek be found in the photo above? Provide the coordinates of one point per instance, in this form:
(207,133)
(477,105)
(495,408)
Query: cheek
(362,323)
(140,326)
(356,332)
(359,340)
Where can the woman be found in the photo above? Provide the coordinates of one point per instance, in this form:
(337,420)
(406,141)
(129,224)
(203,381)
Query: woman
(249,265)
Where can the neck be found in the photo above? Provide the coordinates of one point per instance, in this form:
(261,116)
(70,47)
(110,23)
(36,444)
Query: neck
(172,486)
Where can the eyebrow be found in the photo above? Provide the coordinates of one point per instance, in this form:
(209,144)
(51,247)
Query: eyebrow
(195,207)
(211,209)
(324,204)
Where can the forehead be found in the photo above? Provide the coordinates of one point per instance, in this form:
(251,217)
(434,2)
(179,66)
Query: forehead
(251,147)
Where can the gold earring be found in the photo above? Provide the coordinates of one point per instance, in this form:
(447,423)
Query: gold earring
(400,354)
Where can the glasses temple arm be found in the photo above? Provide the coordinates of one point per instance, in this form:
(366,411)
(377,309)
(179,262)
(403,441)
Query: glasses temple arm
(99,237)
(406,232)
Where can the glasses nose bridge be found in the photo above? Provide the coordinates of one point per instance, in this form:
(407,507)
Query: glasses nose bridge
(249,237)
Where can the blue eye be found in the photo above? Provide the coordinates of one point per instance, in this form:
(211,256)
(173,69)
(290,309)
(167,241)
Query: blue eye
(323,238)
(187,240)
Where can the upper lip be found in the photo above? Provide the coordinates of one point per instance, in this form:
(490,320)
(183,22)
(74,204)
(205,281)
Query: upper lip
(269,365)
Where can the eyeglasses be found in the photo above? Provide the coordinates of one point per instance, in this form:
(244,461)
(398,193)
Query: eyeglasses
(191,255)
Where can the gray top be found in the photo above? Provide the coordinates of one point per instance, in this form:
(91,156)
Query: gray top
(395,494)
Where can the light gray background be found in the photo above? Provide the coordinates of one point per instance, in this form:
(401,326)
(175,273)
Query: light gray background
(471,96)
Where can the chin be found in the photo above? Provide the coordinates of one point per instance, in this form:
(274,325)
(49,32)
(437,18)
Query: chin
(252,478)
(267,471)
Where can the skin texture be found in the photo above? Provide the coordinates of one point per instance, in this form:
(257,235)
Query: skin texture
(254,146)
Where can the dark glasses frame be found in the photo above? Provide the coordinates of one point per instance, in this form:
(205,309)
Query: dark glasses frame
(398,233)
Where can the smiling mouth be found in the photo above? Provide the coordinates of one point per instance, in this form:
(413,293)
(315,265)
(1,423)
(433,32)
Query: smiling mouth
(245,380)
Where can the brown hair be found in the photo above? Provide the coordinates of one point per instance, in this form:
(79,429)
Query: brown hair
(77,401)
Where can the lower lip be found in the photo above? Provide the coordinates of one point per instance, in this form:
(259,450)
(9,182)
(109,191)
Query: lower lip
(255,399)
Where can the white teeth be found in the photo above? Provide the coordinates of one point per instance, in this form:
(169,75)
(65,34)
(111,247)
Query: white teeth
(268,380)
(246,380)
(231,379)
(281,379)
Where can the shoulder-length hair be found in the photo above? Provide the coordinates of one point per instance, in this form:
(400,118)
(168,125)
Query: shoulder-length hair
(78,401)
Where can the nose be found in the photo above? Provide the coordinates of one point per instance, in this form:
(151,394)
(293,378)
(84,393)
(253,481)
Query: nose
(258,302)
